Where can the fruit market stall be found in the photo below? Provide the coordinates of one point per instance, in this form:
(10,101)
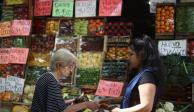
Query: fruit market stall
(96,32)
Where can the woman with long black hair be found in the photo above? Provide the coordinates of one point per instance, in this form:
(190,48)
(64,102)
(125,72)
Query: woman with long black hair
(142,92)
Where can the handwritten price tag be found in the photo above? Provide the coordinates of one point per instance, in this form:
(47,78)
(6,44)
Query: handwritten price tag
(19,85)
(2,85)
(14,84)
(21,27)
(4,55)
(19,55)
(5,29)
(110,7)
(10,84)
(42,7)
(173,47)
(63,8)
(85,8)
(109,88)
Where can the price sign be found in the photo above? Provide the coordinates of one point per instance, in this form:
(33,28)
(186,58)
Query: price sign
(85,8)
(5,29)
(42,7)
(19,85)
(4,55)
(2,85)
(21,28)
(63,8)
(169,47)
(109,88)
(110,7)
(19,55)
(10,84)
(14,84)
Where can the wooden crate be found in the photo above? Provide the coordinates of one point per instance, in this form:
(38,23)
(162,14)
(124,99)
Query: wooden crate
(181,31)
(186,1)
(164,23)
(164,36)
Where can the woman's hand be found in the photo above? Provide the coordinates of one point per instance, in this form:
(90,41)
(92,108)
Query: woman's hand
(92,105)
(69,101)
(116,110)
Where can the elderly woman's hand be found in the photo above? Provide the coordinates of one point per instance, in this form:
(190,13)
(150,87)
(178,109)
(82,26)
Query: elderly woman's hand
(116,110)
(92,105)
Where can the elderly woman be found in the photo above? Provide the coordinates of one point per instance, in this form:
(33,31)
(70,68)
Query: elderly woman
(47,96)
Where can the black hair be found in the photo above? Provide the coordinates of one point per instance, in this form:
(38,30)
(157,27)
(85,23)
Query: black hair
(147,49)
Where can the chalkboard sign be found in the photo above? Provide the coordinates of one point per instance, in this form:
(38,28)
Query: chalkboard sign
(85,8)
(169,47)
(63,8)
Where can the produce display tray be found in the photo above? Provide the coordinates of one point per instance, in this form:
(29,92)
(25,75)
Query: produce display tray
(184,35)
(87,76)
(114,70)
(164,37)
(92,44)
(184,19)
(165,19)
(164,34)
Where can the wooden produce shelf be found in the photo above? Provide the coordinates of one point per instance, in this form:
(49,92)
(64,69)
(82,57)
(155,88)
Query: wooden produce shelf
(184,35)
(164,36)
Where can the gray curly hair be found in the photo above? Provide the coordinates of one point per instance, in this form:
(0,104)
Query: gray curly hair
(62,57)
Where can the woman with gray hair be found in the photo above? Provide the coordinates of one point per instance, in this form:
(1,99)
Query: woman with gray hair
(47,95)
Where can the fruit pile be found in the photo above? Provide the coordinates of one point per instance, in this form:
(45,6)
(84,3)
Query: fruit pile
(39,59)
(42,43)
(90,60)
(92,44)
(184,19)
(117,53)
(68,92)
(28,93)
(21,13)
(5,70)
(114,70)
(87,76)
(39,26)
(33,73)
(6,42)
(118,28)
(9,96)
(81,27)
(7,13)
(52,26)
(17,70)
(96,27)
(191,48)
(165,19)
(67,44)
(19,42)
(20,108)
(66,27)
